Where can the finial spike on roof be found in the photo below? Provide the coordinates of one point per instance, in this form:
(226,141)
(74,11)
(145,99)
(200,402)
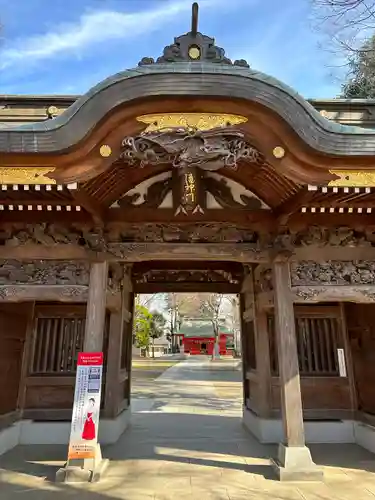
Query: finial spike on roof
(193,47)
(194,18)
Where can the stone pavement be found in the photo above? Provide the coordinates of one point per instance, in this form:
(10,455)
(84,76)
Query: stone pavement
(187,441)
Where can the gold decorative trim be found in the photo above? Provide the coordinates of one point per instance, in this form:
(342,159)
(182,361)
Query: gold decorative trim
(52,110)
(194,52)
(278,152)
(353,178)
(105,151)
(28,175)
(200,121)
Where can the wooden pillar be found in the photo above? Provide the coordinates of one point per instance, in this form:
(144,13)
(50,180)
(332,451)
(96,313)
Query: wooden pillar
(291,401)
(262,352)
(255,338)
(294,461)
(128,339)
(348,357)
(118,350)
(26,357)
(96,307)
(244,349)
(116,327)
(91,469)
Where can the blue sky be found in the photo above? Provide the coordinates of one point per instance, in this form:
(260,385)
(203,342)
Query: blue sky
(67,46)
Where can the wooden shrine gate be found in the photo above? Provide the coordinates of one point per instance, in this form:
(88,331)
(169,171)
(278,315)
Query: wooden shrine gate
(198,173)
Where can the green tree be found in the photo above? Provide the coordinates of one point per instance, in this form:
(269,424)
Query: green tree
(142,327)
(157,325)
(361,82)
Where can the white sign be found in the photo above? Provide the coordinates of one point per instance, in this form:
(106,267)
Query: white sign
(86,408)
(342,363)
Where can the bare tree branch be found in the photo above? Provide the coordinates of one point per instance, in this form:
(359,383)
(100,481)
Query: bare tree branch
(349,28)
(347,23)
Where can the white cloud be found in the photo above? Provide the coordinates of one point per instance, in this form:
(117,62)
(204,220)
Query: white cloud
(92,28)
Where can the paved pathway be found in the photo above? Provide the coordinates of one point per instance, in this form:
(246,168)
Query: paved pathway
(187,441)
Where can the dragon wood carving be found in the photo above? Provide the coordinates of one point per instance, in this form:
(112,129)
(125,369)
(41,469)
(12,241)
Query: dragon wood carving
(184,148)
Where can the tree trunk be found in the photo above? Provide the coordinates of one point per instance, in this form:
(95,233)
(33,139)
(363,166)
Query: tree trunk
(153,347)
(216,349)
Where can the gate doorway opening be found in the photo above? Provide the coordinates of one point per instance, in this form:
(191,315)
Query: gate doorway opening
(187,403)
(186,347)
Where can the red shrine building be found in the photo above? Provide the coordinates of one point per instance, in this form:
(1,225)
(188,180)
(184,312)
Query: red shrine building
(197,337)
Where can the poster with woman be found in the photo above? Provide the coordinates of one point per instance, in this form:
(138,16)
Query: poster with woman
(86,408)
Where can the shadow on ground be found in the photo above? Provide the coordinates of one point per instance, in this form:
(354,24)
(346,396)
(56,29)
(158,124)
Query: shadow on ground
(203,440)
(188,439)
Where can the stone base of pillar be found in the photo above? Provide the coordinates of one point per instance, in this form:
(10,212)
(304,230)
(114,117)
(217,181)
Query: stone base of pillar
(294,463)
(89,470)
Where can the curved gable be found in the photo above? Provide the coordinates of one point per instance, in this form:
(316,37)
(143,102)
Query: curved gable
(185,79)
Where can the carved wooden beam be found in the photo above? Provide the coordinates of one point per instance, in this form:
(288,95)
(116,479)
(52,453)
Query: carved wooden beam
(300,220)
(332,273)
(63,293)
(325,253)
(64,216)
(332,293)
(137,252)
(262,219)
(44,202)
(181,287)
(233,252)
(58,293)
(45,252)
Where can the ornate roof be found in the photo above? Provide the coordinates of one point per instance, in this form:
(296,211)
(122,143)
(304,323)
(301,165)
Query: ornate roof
(185,79)
(179,73)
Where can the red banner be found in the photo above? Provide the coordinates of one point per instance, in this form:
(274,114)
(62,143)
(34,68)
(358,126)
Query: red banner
(90,359)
